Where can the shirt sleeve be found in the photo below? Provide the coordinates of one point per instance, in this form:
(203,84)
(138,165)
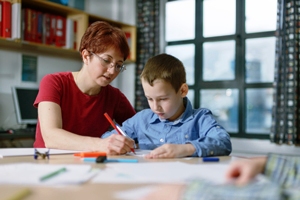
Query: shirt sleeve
(284,170)
(213,140)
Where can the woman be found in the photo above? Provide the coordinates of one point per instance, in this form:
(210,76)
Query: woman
(71,105)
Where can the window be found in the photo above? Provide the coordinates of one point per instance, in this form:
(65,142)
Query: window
(228,49)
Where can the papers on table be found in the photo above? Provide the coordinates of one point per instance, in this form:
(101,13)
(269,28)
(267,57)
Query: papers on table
(31,173)
(4,152)
(160,172)
(139,152)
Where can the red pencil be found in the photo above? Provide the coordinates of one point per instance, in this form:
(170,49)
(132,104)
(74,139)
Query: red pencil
(115,127)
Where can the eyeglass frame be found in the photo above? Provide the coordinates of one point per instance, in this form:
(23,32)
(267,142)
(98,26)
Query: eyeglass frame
(105,62)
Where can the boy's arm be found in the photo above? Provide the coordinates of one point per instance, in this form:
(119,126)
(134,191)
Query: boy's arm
(212,138)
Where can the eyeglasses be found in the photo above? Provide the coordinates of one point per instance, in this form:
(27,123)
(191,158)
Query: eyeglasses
(108,64)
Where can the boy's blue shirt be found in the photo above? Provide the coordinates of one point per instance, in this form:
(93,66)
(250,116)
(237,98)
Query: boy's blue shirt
(195,126)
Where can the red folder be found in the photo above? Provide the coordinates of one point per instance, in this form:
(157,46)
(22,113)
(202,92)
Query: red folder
(0,19)
(27,24)
(60,32)
(6,19)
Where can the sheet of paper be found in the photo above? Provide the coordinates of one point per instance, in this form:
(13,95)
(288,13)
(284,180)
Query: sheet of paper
(30,151)
(160,172)
(30,173)
(139,152)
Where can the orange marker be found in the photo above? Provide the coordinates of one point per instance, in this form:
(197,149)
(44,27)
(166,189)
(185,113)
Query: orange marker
(90,154)
(115,127)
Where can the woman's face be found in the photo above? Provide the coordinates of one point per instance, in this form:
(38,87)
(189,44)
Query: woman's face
(102,66)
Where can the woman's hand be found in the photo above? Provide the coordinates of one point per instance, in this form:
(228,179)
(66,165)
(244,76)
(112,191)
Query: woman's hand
(172,151)
(244,171)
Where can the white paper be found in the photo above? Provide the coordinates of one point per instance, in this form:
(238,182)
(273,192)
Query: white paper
(139,152)
(4,152)
(160,172)
(30,173)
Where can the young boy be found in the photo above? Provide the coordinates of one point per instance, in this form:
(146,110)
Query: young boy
(172,128)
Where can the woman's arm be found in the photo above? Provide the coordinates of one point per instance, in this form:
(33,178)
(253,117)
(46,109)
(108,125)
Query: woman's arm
(54,136)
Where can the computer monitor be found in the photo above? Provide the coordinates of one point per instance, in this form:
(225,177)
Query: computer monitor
(24,98)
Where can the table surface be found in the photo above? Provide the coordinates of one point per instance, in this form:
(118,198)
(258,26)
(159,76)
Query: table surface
(88,190)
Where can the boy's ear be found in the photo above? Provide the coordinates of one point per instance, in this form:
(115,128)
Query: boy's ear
(184,89)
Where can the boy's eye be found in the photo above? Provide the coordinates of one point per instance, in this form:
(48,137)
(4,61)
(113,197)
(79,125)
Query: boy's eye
(118,66)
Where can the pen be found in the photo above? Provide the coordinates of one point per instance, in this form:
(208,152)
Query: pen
(103,159)
(123,133)
(210,159)
(90,154)
(52,174)
(115,127)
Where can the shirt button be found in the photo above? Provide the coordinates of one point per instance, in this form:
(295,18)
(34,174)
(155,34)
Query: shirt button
(212,153)
(161,140)
(186,136)
(218,126)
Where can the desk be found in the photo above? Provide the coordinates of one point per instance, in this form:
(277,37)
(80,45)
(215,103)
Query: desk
(86,191)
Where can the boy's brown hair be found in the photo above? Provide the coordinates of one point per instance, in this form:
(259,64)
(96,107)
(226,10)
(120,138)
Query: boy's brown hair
(164,67)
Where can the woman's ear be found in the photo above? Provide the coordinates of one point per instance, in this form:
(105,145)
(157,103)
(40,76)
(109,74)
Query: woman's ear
(85,56)
(184,89)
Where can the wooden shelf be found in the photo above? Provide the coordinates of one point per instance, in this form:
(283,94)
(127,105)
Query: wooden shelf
(83,20)
(41,49)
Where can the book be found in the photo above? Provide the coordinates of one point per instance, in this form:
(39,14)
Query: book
(27,24)
(0,19)
(60,31)
(6,19)
(39,29)
(16,19)
(69,34)
(49,29)
(128,37)
(75,35)
(33,26)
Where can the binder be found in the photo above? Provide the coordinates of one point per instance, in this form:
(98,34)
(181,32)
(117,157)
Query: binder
(60,31)
(16,19)
(0,19)
(6,19)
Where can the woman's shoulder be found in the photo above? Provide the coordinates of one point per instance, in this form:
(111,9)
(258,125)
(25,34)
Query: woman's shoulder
(58,75)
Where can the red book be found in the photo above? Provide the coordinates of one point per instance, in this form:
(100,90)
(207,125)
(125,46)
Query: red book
(128,37)
(27,24)
(60,31)
(6,19)
(46,28)
(39,30)
(75,35)
(0,19)
(33,33)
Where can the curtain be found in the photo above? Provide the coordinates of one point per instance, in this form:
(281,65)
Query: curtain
(286,113)
(147,43)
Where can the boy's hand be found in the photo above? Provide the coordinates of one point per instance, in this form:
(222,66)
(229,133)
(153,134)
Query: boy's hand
(172,151)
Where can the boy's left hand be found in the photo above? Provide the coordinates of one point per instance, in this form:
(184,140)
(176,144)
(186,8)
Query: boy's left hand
(171,151)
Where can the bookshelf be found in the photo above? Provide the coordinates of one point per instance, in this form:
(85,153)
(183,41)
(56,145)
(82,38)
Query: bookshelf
(82,19)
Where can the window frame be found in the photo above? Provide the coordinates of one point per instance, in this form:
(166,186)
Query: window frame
(239,82)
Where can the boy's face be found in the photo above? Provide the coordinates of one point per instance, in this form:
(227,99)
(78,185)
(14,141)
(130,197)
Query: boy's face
(163,100)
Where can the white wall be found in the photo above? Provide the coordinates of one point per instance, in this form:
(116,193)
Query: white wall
(10,75)
(122,11)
